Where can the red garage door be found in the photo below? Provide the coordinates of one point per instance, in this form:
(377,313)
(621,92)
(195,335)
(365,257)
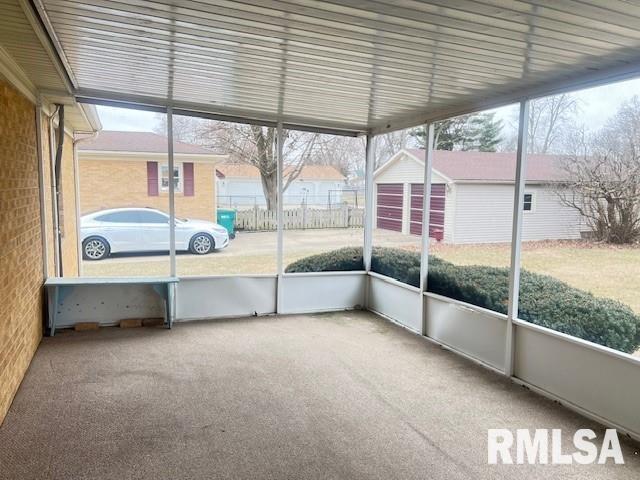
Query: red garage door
(389,214)
(436,217)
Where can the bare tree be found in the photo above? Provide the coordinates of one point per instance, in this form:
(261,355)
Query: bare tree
(185,129)
(389,144)
(603,177)
(550,120)
(256,146)
(252,145)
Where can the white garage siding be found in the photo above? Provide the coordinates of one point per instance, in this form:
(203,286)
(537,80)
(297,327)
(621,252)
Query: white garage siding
(449,212)
(405,170)
(483,214)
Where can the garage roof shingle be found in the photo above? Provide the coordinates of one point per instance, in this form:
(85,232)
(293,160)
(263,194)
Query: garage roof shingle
(492,166)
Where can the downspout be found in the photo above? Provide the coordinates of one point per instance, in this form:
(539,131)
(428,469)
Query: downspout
(54,198)
(57,175)
(76,175)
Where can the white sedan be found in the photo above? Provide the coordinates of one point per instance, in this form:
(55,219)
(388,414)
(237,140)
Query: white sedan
(122,230)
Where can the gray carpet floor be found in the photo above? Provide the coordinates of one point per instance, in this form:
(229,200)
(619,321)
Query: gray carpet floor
(334,396)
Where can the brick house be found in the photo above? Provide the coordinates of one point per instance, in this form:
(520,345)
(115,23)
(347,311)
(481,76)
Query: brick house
(127,169)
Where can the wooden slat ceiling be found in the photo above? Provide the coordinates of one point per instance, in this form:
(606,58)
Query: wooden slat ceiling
(345,64)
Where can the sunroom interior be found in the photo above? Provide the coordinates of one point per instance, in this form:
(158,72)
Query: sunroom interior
(326,374)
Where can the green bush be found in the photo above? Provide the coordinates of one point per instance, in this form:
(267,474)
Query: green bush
(543,300)
(342,260)
(402,265)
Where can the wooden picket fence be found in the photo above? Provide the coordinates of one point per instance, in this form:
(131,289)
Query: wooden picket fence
(260,219)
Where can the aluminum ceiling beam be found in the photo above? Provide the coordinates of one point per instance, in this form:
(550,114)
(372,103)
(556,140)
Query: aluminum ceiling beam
(341,66)
(160,105)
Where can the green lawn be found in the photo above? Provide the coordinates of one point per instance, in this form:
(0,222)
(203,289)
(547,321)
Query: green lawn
(605,271)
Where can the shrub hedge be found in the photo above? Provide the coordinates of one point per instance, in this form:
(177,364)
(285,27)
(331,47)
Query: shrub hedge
(342,260)
(543,301)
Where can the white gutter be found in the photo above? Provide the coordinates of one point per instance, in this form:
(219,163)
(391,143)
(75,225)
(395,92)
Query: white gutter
(76,186)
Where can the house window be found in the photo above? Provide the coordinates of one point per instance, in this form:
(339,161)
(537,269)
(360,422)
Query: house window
(164,178)
(528,202)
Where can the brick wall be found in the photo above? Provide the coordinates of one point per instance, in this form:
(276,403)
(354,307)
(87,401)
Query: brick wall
(21,274)
(123,183)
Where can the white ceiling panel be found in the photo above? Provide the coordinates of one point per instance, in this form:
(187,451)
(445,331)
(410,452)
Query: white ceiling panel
(342,64)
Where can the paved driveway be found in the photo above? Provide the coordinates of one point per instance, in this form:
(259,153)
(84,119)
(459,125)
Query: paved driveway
(249,252)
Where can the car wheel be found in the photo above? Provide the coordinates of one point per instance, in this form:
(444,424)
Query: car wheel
(95,248)
(201,244)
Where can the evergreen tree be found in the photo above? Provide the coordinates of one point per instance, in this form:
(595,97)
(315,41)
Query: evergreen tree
(466,132)
(486,132)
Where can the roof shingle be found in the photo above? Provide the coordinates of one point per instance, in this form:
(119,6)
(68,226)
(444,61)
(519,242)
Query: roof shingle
(144,142)
(492,166)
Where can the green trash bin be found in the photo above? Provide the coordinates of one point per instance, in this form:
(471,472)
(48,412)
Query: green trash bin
(227,218)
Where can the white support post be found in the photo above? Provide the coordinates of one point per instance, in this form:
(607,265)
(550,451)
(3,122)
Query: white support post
(41,187)
(426,209)
(516,236)
(76,194)
(172,207)
(368,203)
(280,212)
(368,213)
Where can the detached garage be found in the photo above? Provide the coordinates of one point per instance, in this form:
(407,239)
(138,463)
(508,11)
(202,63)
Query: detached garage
(472,197)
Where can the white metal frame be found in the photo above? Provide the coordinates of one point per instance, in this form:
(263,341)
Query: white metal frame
(280,215)
(516,235)
(172,195)
(78,213)
(57,261)
(41,187)
(426,215)
(369,214)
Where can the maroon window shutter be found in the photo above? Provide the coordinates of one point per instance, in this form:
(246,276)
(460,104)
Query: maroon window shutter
(152,179)
(187,171)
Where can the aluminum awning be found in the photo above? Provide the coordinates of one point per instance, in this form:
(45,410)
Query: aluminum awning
(346,64)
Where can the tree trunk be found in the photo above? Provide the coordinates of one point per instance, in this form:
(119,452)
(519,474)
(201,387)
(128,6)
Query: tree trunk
(270,190)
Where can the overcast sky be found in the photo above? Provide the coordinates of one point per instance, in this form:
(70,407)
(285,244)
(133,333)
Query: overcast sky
(597,105)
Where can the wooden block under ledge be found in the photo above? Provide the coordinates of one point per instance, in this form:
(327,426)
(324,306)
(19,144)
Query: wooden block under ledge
(152,322)
(131,323)
(86,326)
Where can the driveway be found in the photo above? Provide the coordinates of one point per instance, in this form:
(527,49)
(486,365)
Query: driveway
(249,252)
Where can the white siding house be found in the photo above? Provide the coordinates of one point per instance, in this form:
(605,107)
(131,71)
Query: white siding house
(478,191)
(240,185)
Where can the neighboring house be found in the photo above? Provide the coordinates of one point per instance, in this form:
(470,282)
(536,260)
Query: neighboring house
(240,185)
(472,197)
(130,169)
